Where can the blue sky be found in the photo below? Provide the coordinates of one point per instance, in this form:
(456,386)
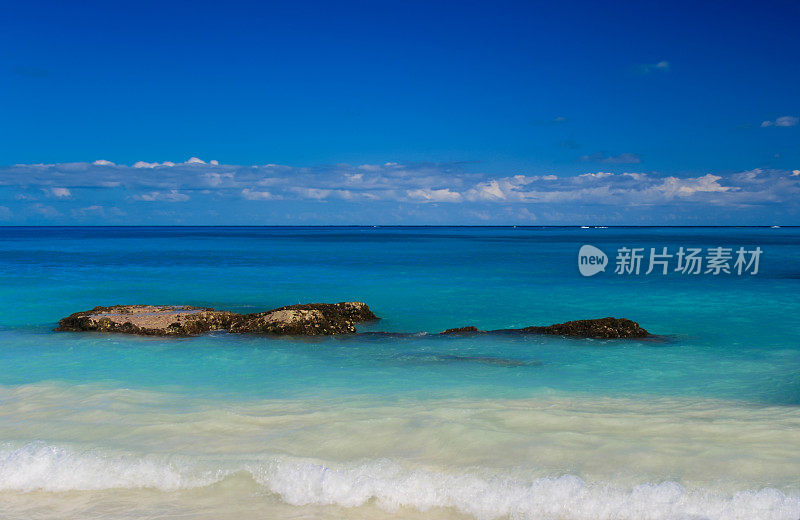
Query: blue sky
(400,113)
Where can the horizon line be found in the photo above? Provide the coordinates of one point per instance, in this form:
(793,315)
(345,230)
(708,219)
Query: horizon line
(579,226)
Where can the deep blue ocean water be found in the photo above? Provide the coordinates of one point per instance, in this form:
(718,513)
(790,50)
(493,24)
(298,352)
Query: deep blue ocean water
(728,339)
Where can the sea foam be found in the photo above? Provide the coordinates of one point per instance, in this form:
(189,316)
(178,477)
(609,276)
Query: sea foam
(391,486)
(562,497)
(41,467)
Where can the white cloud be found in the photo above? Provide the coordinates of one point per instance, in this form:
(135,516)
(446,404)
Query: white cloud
(598,175)
(103,162)
(143,164)
(636,176)
(195,160)
(490,190)
(429,195)
(215,179)
(311,193)
(59,193)
(673,186)
(163,196)
(323,194)
(249,194)
(167,164)
(782,121)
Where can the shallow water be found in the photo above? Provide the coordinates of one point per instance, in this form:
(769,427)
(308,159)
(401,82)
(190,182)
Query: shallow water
(702,421)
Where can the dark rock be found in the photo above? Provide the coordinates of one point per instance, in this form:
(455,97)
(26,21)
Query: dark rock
(149,320)
(601,328)
(461,330)
(307,319)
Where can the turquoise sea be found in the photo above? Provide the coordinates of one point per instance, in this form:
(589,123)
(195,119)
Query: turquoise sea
(701,421)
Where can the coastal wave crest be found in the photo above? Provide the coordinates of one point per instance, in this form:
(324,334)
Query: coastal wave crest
(41,467)
(391,486)
(567,497)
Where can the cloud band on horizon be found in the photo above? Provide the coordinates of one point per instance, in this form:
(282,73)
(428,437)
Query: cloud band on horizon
(196,191)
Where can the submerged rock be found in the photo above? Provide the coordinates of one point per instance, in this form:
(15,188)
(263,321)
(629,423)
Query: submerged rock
(424,357)
(184,320)
(462,330)
(601,328)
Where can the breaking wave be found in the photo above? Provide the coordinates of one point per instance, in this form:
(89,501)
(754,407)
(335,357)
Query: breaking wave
(39,467)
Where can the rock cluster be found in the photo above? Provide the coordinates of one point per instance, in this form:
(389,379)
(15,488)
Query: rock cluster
(311,319)
(461,330)
(183,320)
